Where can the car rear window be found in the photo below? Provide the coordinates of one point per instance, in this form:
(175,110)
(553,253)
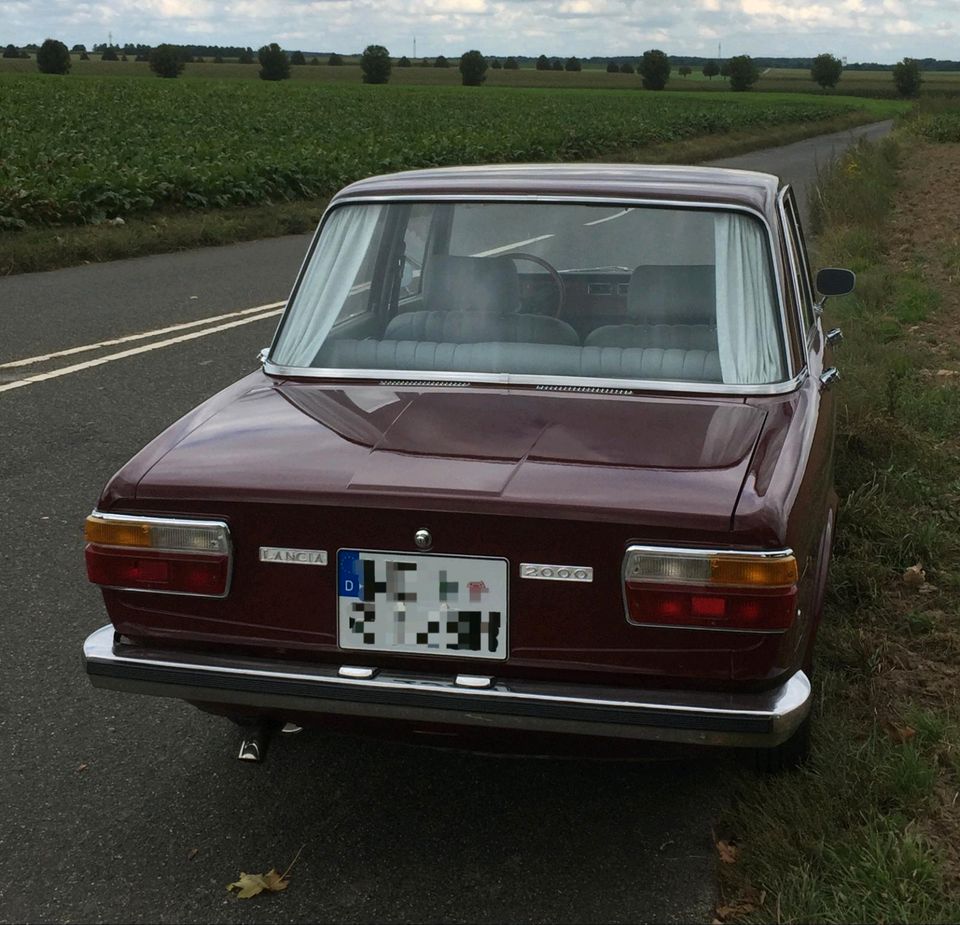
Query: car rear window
(519,291)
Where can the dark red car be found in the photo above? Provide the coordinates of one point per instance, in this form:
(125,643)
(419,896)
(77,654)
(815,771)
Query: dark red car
(536,450)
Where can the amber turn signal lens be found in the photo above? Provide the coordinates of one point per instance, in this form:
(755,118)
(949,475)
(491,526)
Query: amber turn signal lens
(749,572)
(114,533)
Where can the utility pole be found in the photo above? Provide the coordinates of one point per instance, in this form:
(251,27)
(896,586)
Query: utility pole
(414,46)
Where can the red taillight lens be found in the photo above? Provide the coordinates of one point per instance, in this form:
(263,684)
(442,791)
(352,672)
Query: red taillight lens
(177,556)
(725,610)
(157,571)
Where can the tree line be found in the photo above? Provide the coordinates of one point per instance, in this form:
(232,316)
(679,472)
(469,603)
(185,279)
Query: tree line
(654,66)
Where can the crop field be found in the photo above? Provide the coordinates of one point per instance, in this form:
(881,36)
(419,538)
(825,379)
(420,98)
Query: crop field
(76,151)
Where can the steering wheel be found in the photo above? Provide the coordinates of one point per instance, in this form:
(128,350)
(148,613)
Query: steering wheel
(554,275)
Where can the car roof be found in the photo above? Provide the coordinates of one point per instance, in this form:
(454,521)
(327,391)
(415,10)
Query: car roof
(713,185)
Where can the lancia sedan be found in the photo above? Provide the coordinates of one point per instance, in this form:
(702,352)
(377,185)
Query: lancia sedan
(538,453)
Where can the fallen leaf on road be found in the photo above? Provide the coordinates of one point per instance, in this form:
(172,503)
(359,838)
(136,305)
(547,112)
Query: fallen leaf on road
(83,767)
(250,885)
(748,902)
(728,851)
(192,853)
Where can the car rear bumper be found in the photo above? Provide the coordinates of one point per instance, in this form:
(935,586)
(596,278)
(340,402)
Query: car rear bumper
(763,719)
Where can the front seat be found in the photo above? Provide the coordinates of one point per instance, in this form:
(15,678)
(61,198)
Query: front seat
(671,307)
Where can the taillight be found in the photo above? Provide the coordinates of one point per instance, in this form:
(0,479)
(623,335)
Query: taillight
(164,554)
(710,589)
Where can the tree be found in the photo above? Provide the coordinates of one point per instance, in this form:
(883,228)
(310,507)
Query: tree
(725,68)
(314,60)
(109,54)
(543,64)
(826,70)
(572,64)
(473,68)
(495,64)
(404,62)
(511,64)
(245,57)
(711,69)
(274,64)
(297,58)
(335,60)
(613,67)
(906,76)
(743,72)
(217,59)
(627,68)
(556,64)
(655,69)
(166,61)
(78,49)
(53,57)
(684,70)
(375,64)
(84,56)
(441,61)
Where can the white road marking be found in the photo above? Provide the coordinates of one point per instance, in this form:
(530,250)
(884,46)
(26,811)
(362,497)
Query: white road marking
(133,351)
(508,247)
(143,336)
(609,218)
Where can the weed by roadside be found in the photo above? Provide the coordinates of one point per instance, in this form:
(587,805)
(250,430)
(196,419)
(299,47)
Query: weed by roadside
(869,831)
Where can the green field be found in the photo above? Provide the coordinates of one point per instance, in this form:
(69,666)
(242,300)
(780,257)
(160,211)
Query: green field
(78,151)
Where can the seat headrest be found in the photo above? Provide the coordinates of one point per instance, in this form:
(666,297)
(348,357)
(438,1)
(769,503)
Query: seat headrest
(673,294)
(471,284)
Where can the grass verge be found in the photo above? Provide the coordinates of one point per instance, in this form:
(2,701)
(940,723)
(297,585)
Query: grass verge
(869,831)
(36,249)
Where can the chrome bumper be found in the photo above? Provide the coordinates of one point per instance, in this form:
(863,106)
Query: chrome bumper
(697,717)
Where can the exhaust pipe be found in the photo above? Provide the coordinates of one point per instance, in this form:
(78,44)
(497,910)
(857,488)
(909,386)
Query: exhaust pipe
(257,740)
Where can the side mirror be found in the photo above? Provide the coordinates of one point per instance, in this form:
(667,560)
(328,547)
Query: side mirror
(834,281)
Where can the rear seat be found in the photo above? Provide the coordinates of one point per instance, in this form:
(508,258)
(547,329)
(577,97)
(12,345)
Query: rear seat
(522,359)
(468,300)
(480,327)
(674,307)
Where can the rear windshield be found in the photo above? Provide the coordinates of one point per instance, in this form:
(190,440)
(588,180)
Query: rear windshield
(523,290)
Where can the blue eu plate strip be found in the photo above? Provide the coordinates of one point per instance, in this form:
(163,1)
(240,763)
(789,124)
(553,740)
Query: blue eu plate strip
(349,574)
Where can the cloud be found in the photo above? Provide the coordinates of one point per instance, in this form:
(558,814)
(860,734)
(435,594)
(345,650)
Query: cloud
(857,29)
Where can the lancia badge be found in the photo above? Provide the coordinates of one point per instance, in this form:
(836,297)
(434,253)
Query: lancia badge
(423,539)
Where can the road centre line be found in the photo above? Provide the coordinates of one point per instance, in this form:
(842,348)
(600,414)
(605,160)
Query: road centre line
(133,351)
(132,337)
(507,247)
(609,218)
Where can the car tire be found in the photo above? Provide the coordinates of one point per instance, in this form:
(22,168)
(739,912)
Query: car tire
(787,756)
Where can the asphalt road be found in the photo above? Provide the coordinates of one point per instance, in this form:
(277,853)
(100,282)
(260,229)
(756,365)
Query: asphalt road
(120,808)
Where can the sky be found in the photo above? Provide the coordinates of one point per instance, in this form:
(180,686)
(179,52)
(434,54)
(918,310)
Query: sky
(858,30)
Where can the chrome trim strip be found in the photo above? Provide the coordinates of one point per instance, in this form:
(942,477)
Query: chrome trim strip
(171,522)
(511,380)
(695,550)
(807,333)
(764,718)
(789,385)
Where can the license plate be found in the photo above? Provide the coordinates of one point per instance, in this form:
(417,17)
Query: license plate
(429,605)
